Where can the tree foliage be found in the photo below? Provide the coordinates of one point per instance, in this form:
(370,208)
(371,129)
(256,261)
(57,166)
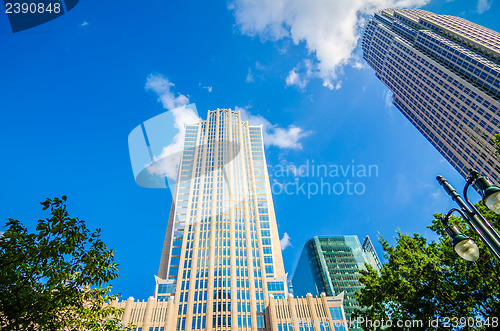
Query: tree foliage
(496,141)
(57,277)
(427,281)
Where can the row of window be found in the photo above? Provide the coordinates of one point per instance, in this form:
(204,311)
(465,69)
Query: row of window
(408,93)
(482,72)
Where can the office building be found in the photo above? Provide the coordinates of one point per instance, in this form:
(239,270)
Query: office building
(444,73)
(330,264)
(221,267)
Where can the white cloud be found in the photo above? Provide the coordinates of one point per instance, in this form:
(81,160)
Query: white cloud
(388,105)
(358,65)
(437,194)
(337,85)
(299,75)
(161,85)
(208,88)
(166,163)
(257,72)
(329,29)
(260,66)
(285,241)
(388,99)
(249,78)
(286,138)
(293,78)
(273,134)
(483,5)
(85,23)
(1,233)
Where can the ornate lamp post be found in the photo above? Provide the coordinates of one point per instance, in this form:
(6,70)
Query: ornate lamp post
(463,245)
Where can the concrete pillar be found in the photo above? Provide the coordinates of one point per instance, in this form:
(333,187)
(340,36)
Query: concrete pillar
(312,308)
(146,322)
(171,316)
(272,314)
(127,311)
(293,312)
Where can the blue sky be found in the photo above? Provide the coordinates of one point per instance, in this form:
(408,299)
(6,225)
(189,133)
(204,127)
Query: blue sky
(73,89)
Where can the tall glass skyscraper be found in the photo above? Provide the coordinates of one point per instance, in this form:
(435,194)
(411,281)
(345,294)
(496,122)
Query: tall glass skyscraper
(444,73)
(331,264)
(221,267)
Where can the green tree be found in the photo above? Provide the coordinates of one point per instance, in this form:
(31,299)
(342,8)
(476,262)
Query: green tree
(496,141)
(425,281)
(56,278)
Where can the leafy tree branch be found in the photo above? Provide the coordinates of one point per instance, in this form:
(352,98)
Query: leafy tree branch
(57,277)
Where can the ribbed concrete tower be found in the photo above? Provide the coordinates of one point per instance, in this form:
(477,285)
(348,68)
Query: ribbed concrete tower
(444,73)
(222,251)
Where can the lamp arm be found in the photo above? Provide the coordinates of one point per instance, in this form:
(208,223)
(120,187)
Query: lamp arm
(444,220)
(473,175)
(470,180)
(475,212)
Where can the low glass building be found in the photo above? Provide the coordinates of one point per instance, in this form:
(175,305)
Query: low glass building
(330,265)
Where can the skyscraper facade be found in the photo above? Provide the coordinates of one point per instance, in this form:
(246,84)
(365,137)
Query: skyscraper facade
(444,73)
(331,264)
(221,255)
(221,267)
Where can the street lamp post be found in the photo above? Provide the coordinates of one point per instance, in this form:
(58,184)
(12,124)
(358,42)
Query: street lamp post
(464,246)
(491,198)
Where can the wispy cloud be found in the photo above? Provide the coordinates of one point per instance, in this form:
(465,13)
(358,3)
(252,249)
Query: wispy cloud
(249,78)
(161,86)
(358,65)
(285,241)
(208,88)
(483,5)
(274,135)
(437,194)
(85,23)
(293,78)
(388,99)
(257,72)
(329,29)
